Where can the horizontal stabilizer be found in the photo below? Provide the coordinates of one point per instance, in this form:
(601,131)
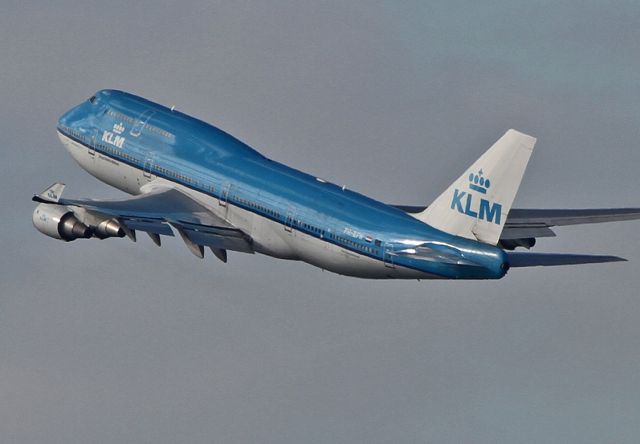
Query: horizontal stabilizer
(550,259)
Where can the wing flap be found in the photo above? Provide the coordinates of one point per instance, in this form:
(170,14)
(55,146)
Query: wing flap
(220,242)
(222,238)
(510,233)
(149,226)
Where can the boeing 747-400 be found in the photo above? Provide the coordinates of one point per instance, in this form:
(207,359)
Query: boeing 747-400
(189,177)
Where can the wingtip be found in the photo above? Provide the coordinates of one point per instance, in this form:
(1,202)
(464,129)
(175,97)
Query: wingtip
(51,194)
(611,259)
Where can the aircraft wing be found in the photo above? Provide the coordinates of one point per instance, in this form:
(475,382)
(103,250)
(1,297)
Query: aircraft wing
(156,212)
(551,218)
(524,225)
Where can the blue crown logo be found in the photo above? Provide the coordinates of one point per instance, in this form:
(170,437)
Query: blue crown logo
(478,183)
(118,128)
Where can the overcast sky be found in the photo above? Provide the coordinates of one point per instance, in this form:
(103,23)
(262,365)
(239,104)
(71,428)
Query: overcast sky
(112,342)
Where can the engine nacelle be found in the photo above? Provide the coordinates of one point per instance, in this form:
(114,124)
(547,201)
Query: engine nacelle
(59,222)
(108,228)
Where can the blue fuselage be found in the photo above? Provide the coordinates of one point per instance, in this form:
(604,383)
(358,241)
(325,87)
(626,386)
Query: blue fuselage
(167,144)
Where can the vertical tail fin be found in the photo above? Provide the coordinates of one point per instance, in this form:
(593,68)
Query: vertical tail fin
(476,205)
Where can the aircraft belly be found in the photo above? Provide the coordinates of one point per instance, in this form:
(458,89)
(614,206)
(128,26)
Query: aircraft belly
(270,238)
(116,174)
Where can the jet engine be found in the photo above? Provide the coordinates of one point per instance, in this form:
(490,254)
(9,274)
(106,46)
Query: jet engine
(108,228)
(59,222)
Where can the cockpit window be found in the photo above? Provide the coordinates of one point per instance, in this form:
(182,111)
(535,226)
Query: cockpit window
(92,99)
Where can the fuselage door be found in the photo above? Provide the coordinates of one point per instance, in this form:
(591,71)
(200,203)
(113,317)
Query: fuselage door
(388,255)
(93,140)
(224,195)
(136,130)
(289,219)
(148,167)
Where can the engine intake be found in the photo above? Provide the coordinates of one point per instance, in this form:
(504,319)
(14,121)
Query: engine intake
(58,222)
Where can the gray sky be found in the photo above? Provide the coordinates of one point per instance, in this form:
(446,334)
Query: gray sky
(111,342)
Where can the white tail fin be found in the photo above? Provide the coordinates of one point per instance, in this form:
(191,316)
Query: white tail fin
(476,205)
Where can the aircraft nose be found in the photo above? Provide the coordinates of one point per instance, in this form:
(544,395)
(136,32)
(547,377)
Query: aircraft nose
(67,119)
(78,112)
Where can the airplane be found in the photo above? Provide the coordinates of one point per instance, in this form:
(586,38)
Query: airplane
(217,192)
